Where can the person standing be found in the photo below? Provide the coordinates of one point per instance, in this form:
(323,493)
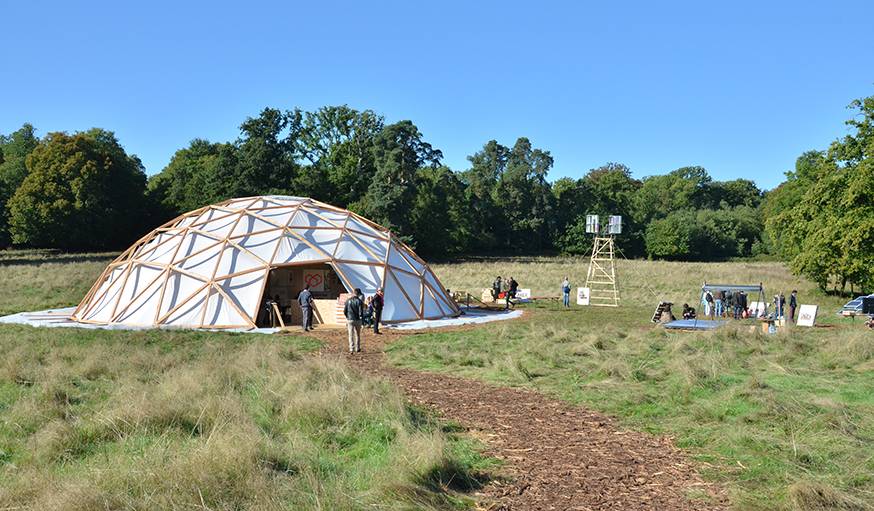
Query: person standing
(793,304)
(305,300)
(354,311)
(717,302)
(512,287)
(377,302)
(709,308)
(496,288)
(566,292)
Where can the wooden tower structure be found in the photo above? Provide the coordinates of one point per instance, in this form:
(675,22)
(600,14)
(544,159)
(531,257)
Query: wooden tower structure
(601,276)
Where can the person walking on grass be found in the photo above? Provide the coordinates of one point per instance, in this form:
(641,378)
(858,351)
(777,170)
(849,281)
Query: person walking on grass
(512,287)
(354,311)
(377,302)
(305,300)
(566,292)
(793,304)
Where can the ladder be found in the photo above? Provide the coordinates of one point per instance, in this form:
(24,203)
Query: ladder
(601,277)
(662,308)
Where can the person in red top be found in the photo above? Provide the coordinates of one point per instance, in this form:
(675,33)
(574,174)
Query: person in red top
(377,303)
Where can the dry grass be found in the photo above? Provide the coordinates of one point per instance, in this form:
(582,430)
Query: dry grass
(93,420)
(785,421)
(641,281)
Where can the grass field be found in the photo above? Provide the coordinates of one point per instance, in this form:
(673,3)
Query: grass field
(143,420)
(786,421)
(93,419)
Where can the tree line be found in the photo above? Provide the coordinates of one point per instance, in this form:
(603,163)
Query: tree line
(83,191)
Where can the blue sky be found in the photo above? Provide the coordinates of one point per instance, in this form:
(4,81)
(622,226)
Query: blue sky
(741,88)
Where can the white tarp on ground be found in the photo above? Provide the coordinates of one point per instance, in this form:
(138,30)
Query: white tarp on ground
(470,317)
(60,318)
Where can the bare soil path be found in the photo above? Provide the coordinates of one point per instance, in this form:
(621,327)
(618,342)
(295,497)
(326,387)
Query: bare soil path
(557,456)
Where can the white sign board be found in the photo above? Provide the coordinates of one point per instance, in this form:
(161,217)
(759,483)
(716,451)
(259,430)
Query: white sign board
(758,308)
(807,315)
(315,278)
(582,296)
(523,294)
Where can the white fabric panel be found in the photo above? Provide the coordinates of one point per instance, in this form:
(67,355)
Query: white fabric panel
(281,216)
(321,238)
(221,226)
(288,200)
(202,263)
(439,291)
(141,311)
(246,289)
(188,314)
(221,313)
(432,307)
(162,254)
(358,225)
(364,276)
(263,245)
(234,260)
(251,224)
(305,218)
(103,308)
(292,249)
(412,285)
(192,243)
(396,307)
(412,260)
(397,260)
(178,288)
(349,250)
(334,216)
(206,216)
(140,277)
(239,203)
(376,245)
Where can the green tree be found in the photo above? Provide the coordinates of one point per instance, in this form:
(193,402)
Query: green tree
(439,217)
(485,217)
(672,237)
(398,151)
(658,196)
(337,142)
(82,191)
(14,149)
(825,219)
(525,197)
(193,178)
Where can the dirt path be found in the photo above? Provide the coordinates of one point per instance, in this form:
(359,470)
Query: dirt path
(558,456)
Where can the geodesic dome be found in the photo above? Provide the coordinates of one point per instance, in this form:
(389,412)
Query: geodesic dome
(209,268)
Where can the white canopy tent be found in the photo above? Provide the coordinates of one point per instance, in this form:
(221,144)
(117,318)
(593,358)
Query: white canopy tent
(209,268)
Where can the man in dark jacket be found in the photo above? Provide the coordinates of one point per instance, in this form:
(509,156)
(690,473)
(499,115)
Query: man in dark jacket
(793,304)
(354,311)
(377,302)
(305,300)
(512,287)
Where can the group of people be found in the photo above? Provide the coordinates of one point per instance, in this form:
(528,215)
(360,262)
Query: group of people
(362,312)
(728,304)
(358,310)
(509,287)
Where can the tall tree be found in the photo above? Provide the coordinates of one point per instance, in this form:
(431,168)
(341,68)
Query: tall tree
(337,142)
(525,196)
(398,152)
(14,149)
(82,191)
(485,217)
